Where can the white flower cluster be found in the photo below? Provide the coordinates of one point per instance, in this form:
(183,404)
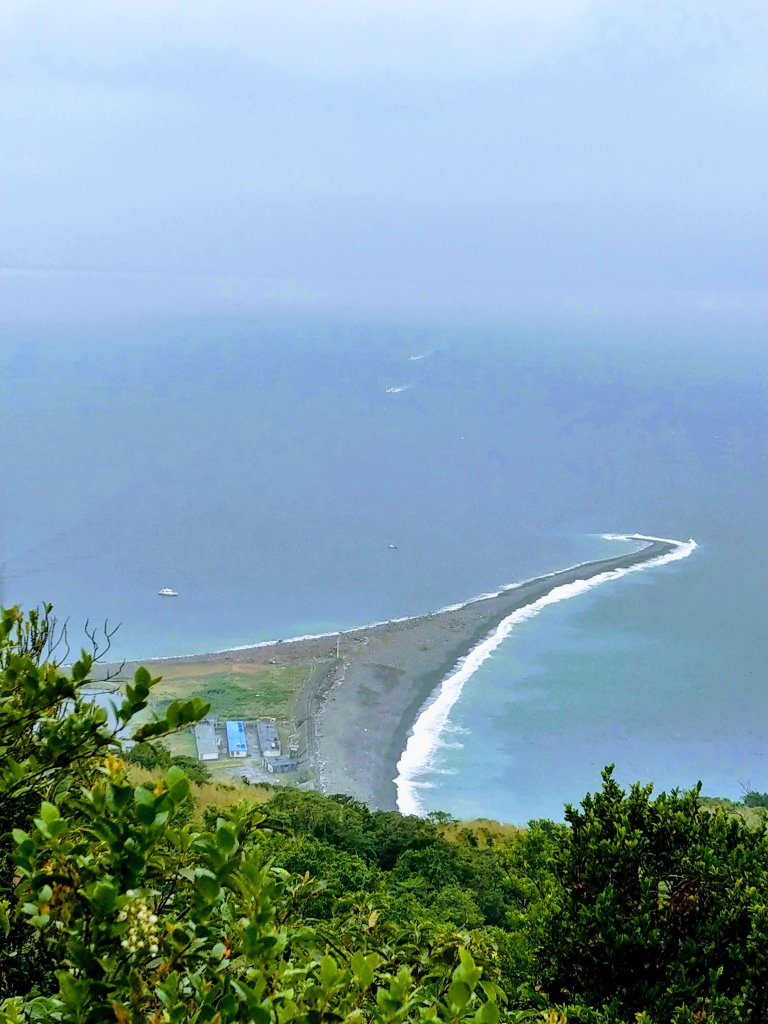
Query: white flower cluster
(142,926)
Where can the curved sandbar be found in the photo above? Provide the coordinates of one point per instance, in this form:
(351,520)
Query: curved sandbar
(363,723)
(368,685)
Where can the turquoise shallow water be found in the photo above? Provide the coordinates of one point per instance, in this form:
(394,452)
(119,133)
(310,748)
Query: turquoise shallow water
(262,470)
(616,675)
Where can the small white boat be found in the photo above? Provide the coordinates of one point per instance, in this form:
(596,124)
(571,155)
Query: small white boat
(167,592)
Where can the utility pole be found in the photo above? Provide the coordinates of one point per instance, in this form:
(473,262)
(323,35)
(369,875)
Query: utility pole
(338,641)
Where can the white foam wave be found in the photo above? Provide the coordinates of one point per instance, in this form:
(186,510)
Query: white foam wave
(397,389)
(424,740)
(453,729)
(420,355)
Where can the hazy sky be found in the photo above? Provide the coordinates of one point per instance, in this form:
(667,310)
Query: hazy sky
(190,155)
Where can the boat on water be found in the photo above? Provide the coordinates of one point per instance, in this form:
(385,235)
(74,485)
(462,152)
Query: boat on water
(168,592)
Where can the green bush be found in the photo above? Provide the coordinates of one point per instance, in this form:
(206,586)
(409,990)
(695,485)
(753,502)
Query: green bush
(194,769)
(148,755)
(659,906)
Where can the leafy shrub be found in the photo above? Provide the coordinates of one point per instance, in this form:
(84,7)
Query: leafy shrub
(657,906)
(149,755)
(194,769)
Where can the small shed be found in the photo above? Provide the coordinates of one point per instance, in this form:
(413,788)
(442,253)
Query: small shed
(280,764)
(207,744)
(236,741)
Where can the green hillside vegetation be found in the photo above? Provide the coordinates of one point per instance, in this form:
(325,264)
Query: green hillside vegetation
(130,893)
(754,814)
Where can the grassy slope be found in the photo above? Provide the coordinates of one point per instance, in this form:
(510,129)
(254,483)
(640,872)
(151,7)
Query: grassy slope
(233,690)
(209,794)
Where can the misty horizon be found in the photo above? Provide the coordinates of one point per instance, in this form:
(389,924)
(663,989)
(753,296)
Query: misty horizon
(431,157)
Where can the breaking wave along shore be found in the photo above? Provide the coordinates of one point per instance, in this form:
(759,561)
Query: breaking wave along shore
(425,736)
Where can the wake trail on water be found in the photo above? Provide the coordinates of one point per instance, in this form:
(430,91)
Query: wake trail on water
(429,727)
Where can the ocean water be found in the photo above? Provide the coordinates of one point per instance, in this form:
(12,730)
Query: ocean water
(435,729)
(262,469)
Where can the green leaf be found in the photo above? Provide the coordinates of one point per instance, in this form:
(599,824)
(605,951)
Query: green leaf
(207,884)
(150,729)
(49,812)
(146,813)
(103,897)
(493,992)
(80,670)
(177,783)
(364,967)
(44,1008)
(246,995)
(118,797)
(5,922)
(459,994)
(56,828)
(50,822)
(329,972)
(194,710)
(467,972)
(73,991)
(226,840)
(141,677)
(487,1014)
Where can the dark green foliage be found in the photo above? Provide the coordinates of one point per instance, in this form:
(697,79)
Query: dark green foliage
(194,769)
(345,879)
(410,855)
(51,737)
(396,835)
(657,906)
(454,904)
(441,818)
(149,755)
(755,799)
(22,961)
(153,756)
(340,821)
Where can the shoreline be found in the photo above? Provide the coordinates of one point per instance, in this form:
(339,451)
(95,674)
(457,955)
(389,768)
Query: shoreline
(369,685)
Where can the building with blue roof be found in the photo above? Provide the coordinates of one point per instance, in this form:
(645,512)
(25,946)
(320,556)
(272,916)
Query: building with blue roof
(236,739)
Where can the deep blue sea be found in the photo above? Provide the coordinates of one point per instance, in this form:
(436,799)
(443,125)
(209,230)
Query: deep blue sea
(263,469)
